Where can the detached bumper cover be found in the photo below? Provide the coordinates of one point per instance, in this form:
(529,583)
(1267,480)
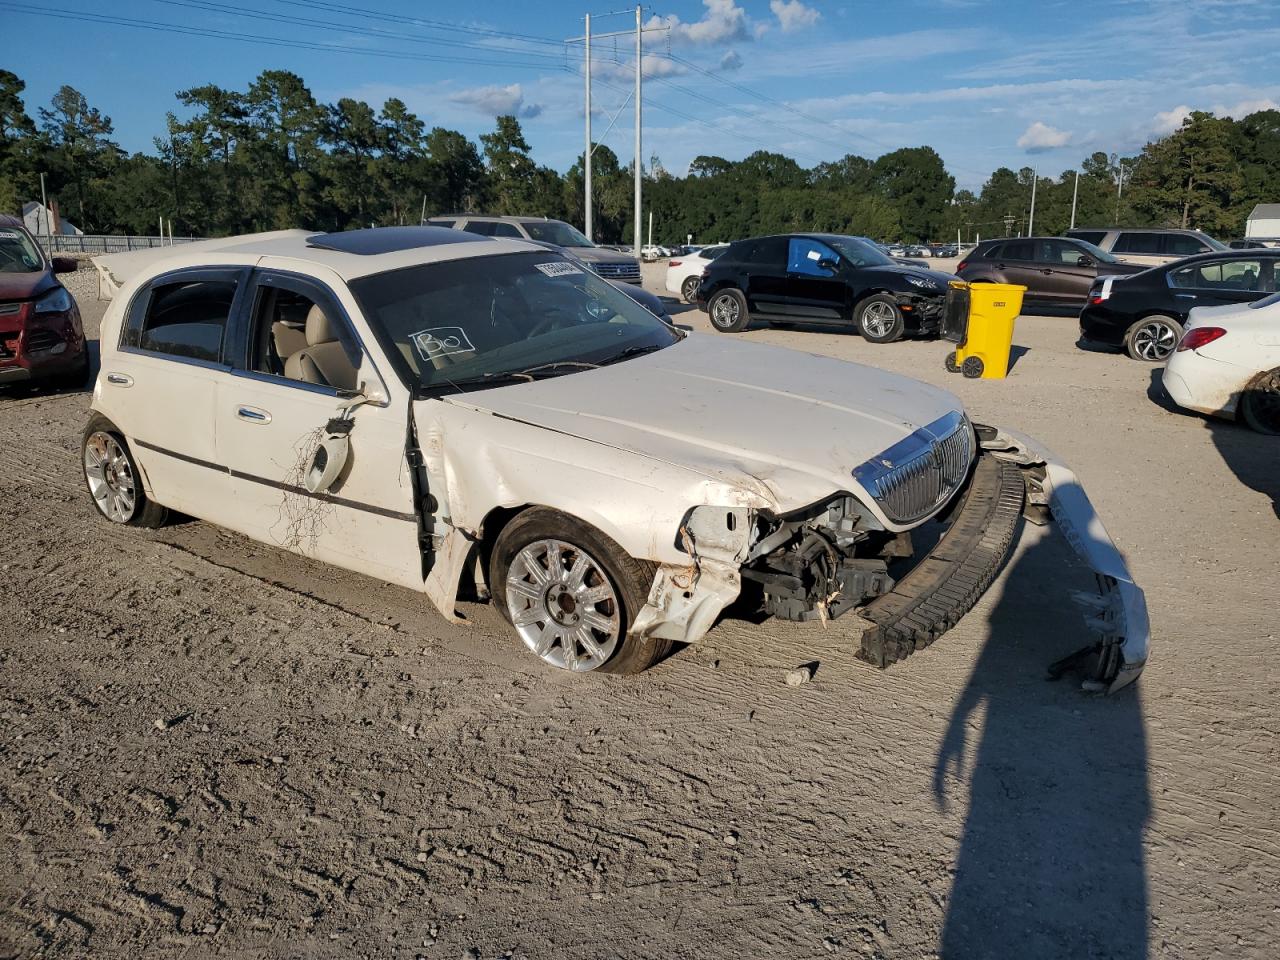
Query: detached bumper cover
(1014,473)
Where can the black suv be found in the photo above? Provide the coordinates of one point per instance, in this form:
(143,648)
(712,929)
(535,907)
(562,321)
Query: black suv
(823,278)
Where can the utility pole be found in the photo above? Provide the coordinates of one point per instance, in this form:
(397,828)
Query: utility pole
(639,72)
(44,210)
(586,153)
(1119,190)
(1074,193)
(1031,221)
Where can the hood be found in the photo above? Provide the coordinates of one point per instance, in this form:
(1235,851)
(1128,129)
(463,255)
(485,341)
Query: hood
(600,255)
(26,286)
(785,425)
(938,276)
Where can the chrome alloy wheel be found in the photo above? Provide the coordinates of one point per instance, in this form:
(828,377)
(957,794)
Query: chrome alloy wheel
(878,319)
(725,311)
(690,289)
(1154,340)
(110,477)
(563,606)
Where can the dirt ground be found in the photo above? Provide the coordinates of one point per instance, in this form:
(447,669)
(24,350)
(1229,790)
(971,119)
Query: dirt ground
(213,748)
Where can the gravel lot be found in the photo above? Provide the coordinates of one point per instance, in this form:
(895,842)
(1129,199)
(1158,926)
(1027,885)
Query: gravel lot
(212,748)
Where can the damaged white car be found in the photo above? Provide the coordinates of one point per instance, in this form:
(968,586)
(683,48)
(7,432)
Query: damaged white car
(456,413)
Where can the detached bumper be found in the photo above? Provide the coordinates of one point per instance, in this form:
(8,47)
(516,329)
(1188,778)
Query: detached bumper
(1014,474)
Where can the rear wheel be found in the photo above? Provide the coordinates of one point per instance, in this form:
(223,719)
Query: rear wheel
(1152,339)
(951,363)
(689,289)
(113,479)
(879,320)
(727,311)
(1260,403)
(972,367)
(572,594)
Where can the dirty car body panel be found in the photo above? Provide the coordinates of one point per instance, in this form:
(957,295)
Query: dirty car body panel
(722,466)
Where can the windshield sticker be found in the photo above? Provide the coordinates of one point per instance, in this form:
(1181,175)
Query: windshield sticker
(557,268)
(441,342)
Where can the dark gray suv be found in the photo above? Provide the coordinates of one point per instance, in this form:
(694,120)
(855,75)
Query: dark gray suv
(609,264)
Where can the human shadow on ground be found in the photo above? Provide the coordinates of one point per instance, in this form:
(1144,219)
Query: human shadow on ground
(1050,862)
(1253,457)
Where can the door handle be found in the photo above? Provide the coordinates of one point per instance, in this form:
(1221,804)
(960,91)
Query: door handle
(119,379)
(253,415)
(999,266)
(1046,272)
(1188,296)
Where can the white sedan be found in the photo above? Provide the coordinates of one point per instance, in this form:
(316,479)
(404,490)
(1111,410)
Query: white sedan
(446,411)
(685,273)
(1228,363)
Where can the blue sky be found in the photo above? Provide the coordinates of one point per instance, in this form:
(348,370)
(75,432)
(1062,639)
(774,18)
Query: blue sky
(986,82)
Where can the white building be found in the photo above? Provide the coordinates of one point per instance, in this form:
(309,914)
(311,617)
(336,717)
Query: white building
(1264,221)
(37,218)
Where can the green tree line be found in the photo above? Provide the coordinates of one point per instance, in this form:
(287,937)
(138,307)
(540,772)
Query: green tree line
(272,157)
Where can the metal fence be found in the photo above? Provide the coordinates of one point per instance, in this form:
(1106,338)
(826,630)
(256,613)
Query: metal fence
(103,243)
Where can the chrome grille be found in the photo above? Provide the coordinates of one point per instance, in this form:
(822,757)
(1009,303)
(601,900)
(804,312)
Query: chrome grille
(618,271)
(919,474)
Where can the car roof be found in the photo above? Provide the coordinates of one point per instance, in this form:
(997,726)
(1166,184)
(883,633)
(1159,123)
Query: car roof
(1137,230)
(8,220)
(350,254)
(493,218)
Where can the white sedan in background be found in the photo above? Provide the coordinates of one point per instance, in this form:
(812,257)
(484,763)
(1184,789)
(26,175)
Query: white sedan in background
(1228,363)
(685,273)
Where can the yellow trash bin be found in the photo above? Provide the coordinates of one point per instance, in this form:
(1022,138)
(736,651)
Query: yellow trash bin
(985,350)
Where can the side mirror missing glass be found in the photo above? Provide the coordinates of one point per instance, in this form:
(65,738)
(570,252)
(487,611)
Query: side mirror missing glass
(65,265)
(1083,261)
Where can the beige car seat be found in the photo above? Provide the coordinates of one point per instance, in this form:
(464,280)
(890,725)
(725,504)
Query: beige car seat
(323,360)
(287,333)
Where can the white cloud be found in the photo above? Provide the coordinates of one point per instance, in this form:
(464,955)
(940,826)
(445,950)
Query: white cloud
(498,100)
(724,22)
(1167,121)
(1040,137)
(655,65)
(1246,107)
(730,61)
(793,15)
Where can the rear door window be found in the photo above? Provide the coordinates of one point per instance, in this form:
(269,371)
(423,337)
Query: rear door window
(492,228)
(766,252)
(1243,275)
(1132,241)
(185,318)
(1017,250)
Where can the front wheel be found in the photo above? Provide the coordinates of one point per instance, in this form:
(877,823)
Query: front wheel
(113,479)
(572,594)
(1260,403)
(727,311)
(879,320)
(689,289)
(1152,339)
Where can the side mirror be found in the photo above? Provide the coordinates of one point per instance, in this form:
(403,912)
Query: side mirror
(326,463)
(1083,261)
(65,265)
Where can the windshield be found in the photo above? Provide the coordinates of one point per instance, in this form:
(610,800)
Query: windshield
(491,321)
(1097,252)
(859,252)
(557,232)
(17,253)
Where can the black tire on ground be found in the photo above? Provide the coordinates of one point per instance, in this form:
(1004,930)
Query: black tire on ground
(146,513)
(951,363)
(630,578)
(1152,339)
(689,289)
(886,325)
(727,311)
(1260,403)
(973,367)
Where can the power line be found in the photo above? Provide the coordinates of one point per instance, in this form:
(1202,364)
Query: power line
(209,32)
(365,13)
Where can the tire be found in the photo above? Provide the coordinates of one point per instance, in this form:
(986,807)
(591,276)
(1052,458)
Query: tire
(1152,339)
(731,307)
(879,320)
(1260,403)
(112,477)
(689,289)
(556,617)
(951,364)
(972,367)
